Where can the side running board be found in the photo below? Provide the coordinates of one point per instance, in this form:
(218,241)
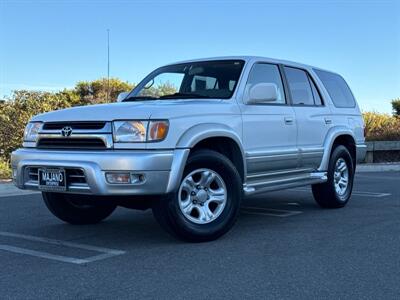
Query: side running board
(258,183)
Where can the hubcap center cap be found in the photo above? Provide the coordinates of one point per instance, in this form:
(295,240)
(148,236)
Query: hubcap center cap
(201,196)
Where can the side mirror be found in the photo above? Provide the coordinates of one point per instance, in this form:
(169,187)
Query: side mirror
(122,96)
(263,92)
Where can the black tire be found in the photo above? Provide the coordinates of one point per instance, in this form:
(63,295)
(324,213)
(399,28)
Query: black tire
(169,215)
(325,193)
(77,209)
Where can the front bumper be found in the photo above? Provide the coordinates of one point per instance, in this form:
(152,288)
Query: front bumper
(162,169)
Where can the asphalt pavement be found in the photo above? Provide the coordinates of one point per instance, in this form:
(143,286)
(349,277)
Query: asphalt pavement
(283,247)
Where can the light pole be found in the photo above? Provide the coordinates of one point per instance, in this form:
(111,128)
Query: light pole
(108,64)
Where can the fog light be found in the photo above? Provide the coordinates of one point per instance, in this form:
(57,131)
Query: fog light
(14,174)
(121,178)
(137,178)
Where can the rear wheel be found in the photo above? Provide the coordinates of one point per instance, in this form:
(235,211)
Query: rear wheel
(77,209)
(336,191)
(207,202)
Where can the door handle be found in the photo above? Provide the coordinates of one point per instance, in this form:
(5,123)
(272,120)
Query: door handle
(328,121)
(288,121)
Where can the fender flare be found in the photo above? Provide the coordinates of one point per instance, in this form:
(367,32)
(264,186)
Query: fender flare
(197,133)
(331,136)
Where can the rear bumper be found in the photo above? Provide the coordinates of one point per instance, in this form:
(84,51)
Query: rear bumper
(162,169)
(361,152)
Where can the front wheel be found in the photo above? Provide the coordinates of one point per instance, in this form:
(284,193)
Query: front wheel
(77,209)
(336,191)
(207,202)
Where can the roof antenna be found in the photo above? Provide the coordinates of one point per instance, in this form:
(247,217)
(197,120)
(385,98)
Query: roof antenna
(108,65)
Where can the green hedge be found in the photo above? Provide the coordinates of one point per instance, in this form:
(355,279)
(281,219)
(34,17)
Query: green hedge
(16,111)
(381,127)
(5,169)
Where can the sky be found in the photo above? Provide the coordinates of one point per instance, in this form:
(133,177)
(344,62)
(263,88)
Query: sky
(50,45)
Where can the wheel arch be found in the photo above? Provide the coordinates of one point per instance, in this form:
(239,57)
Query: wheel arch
(338,136)
(217,137)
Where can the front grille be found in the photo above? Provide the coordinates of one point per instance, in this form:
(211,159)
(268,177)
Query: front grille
(75,176)
(33,174)
(74,125)
(71,143)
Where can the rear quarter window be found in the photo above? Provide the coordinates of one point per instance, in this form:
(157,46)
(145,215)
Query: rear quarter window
(337,88)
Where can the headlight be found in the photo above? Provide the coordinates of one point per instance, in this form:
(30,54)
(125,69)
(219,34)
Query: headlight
(130,131)
(31,131)
(139,131)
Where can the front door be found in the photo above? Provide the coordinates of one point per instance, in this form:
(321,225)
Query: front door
(269,130)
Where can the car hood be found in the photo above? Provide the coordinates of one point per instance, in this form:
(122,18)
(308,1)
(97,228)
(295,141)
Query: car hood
(141,110)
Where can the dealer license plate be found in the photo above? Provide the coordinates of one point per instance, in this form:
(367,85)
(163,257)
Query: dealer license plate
(52,179)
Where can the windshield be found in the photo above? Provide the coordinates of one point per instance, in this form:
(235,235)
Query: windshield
(205,79)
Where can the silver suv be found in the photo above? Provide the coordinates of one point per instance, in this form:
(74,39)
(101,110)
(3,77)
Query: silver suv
(194,138)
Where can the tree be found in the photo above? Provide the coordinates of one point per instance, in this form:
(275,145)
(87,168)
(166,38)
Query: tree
(95,91)
(396,107)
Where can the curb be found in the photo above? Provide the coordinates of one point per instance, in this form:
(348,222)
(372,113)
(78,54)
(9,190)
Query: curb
(376,167)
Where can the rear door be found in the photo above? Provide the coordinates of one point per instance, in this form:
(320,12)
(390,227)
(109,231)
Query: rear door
(313,117)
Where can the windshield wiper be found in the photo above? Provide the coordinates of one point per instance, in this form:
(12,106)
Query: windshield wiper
(133,98)
(183,95)
(172,96)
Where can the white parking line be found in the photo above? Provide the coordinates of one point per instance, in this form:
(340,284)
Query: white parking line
(355,193)
(388,176)
(371,194)
(272,212)
(42,254)
(104,252)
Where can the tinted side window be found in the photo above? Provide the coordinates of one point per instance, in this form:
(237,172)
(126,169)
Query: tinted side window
(337,88)
(266,73)
(299,86)
(317,97)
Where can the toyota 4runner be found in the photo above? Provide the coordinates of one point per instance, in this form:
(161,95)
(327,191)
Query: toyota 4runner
(194,138)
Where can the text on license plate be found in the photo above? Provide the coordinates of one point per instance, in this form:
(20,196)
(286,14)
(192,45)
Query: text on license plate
(52,179)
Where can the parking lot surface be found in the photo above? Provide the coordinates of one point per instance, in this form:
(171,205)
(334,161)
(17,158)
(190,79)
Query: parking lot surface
(283,246)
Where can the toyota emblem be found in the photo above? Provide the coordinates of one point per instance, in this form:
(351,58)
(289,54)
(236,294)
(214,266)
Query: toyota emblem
(66,131)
